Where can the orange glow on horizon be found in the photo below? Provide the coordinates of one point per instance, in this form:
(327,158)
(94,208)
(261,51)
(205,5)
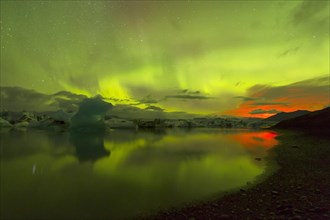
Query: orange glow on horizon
(251,140)
(246,108)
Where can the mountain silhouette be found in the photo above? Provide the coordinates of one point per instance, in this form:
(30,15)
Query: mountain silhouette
(317,120)
(287,115)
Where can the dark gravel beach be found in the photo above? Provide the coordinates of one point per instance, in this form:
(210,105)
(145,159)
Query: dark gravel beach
(298,189)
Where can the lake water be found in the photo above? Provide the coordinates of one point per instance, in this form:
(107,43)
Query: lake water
(123,173)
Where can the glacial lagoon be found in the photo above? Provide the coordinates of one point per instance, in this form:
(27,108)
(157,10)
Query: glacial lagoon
(123,173)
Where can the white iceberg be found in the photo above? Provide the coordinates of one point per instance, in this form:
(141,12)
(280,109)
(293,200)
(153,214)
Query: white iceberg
(4,123)
(120,123)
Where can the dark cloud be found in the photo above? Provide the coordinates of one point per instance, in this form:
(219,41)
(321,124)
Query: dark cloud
(145,94)
(317,81)
(289,51)
(312,17)
(269,103)
(88,81)
(148,100)
(154,108)
(315,87)
(244,98)
(19,99)
(260,111)
(189,97)
(132,112)
(68,105)
(116,99)
(308,11)
(195,92)
(190,92)
(311,94)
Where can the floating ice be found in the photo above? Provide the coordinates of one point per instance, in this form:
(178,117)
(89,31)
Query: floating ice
(62,116)
(4,123)
(90,116)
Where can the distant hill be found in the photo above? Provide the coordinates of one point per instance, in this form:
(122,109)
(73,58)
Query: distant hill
(287,115)
(317,120)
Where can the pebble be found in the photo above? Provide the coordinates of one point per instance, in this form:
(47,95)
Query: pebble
(285,211)
(280,207)
(297,211)
(274,192)
(320,210)
(224,216)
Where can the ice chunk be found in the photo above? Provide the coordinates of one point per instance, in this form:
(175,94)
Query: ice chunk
(90,116)
(4,123)
(62,116)
(22,124)
(120,123)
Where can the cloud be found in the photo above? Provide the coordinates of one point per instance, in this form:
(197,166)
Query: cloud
(165,94)
(269,103)
(311,94)
(312,17)
(19,99)
(188,97)
(260,111)
(289,51)
(149,100)
(87,80)
(154,108)
(187,91)
(151,112)
(312,88)
(116,99)
(244,98)
(309,12)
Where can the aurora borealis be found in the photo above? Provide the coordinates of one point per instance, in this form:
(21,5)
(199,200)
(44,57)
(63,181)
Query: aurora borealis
(245,58)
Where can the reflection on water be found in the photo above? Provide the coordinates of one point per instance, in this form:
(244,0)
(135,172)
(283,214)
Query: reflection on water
(89,146)
(72,176)
(264,139)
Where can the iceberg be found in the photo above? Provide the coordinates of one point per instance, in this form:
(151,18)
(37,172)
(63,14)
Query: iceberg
(5,123)
(62,116)
(90,116)
(120,123)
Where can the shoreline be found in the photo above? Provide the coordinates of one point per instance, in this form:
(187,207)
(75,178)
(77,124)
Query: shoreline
(298,189)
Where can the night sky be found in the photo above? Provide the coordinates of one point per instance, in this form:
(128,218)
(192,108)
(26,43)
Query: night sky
(246,58)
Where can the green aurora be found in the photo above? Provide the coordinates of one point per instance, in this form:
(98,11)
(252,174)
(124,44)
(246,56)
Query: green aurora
(191,56)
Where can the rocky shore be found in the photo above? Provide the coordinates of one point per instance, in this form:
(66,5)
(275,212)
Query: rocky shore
(298,189)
